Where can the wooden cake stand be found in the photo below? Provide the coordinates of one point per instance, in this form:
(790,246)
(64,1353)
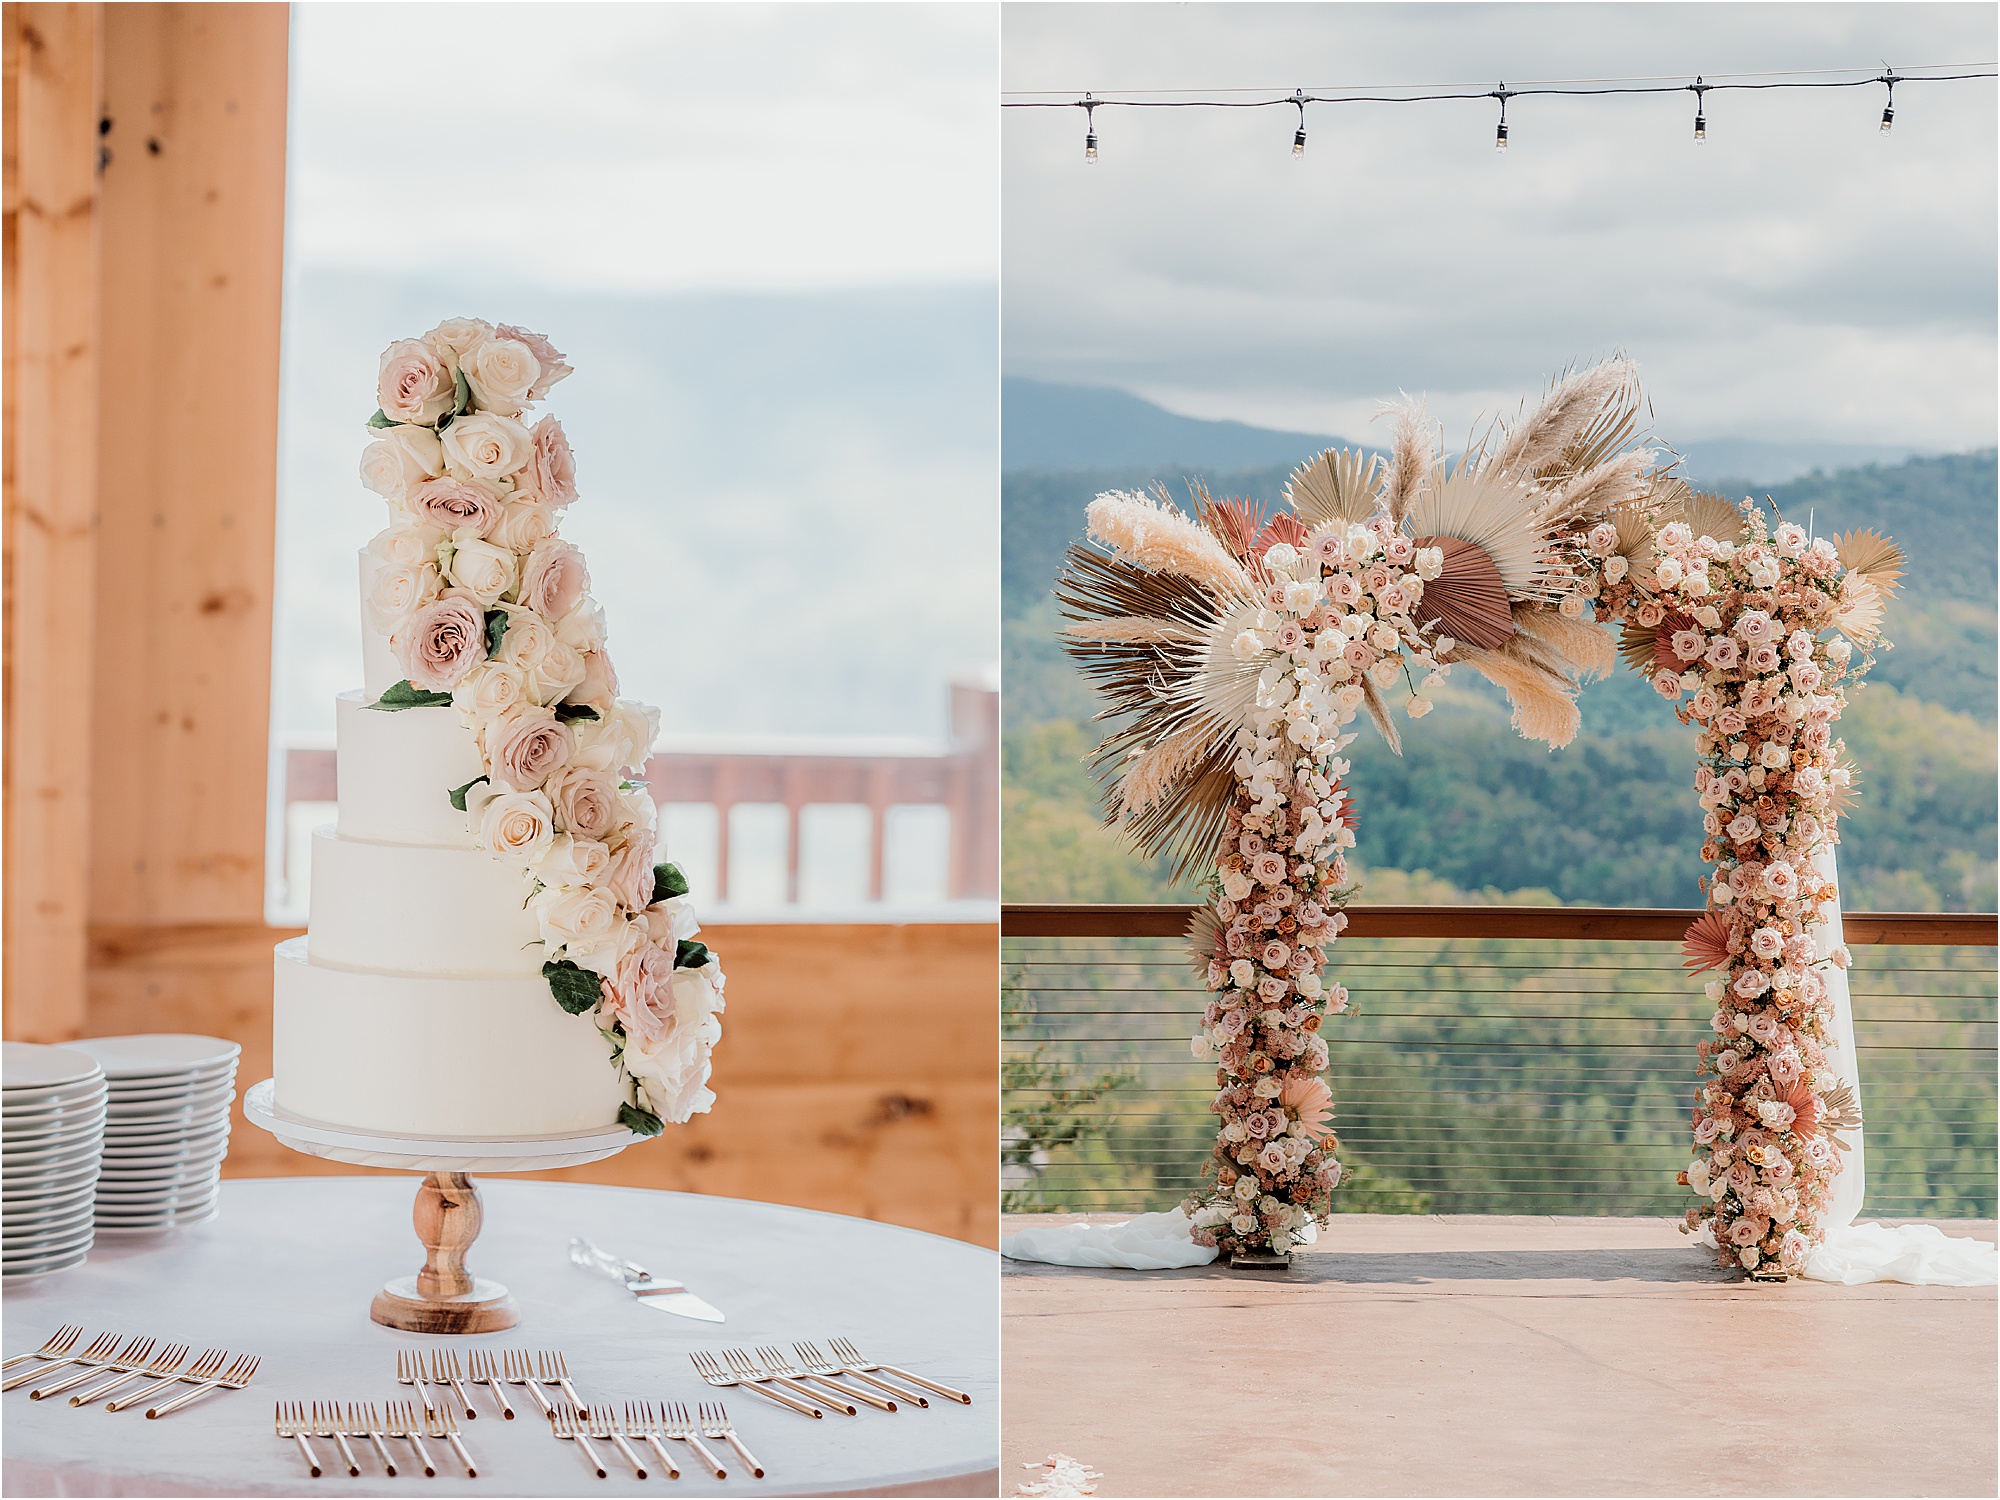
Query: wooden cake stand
(443,1297)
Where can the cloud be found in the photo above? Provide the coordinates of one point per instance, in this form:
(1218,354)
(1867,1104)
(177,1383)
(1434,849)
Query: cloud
(1798,276)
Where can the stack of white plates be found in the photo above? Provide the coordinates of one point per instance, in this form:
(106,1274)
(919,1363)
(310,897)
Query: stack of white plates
(51,1134)
(167,1129)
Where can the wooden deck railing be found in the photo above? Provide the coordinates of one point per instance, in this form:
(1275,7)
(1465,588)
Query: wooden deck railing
(1573,923)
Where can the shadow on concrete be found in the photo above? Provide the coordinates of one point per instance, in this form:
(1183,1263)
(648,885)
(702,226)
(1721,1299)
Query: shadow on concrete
(1677,1264)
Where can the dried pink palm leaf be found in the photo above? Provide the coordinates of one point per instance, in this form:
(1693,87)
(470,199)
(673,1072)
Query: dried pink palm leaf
(1468,600)
(1706,944)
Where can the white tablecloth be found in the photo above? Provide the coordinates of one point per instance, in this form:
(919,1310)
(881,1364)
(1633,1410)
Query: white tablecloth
(288,1269)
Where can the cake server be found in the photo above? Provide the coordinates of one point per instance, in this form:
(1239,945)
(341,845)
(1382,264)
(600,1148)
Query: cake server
(652,1291)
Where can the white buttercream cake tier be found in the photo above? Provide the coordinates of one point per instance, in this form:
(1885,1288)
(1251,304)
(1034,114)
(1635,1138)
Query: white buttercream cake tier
(419,909)
(454,1058)
(397,771)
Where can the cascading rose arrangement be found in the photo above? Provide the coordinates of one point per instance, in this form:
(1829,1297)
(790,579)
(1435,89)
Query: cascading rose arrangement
(489,613)
(1237,650)
(1751,632)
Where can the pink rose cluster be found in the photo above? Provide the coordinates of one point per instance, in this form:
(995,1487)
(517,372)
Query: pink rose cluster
(480,599)
(1747,647)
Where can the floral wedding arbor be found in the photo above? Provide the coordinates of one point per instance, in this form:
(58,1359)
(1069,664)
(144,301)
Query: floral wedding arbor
(1235,653)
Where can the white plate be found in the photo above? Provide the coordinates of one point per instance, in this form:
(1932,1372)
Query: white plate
(58,1232)
(216,1101)
(27,1065)
(159,1171)
(163,1099)
(66,1263)
(70,1243)
(23,1223)
(70,1096)
(117,1231)
(157,1052)
(140,1197)
(178,1139)
(20,1173)
(33,1184)
(160,1161)
(127,1088)
(109,1188)
(164,1218)
(172,1130)
(49,1135)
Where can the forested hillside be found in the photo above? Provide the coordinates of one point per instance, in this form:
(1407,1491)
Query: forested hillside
(1611,819)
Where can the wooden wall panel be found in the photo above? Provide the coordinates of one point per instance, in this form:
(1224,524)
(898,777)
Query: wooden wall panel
(51,367)
(858,1073)
(194,213)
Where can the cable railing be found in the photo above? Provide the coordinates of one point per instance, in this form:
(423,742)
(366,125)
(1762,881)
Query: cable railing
(1494,1060)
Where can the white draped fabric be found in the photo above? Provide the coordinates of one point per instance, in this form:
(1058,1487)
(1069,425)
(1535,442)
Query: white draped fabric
(1151,1242)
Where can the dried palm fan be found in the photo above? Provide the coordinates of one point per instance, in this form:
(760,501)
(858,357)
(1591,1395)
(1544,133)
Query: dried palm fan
(1648,649)
(1495,512)
(1340,484)
(1468,600)
(1706,514)
(1705,945)
(1874,569)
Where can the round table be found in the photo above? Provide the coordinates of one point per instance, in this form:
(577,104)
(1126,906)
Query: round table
(287,1270)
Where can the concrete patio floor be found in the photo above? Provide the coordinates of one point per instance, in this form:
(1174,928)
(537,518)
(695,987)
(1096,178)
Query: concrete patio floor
(1408,1355)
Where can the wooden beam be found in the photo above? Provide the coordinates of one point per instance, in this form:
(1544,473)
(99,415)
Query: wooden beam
(51,376)
(1559,923)
(194,215)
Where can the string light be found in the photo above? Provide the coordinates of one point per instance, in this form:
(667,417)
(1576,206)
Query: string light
(1700,88)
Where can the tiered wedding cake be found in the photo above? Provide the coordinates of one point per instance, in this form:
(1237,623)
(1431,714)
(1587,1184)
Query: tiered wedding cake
(492,951)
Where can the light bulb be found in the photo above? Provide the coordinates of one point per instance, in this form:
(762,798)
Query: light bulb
(1500,137)
(1090,147)
(1700,127)
(1888,117)
(1299,144)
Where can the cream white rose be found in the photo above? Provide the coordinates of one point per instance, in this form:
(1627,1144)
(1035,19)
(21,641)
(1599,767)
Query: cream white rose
(400,460)
(407,546)
(486,445)
(412,384)
(501,373)
(397,590)
(451,338)
(581,921)
(482,569)
(516,826)
(560,669)
(490,691)
(524,525)
(624,737)
(572,861)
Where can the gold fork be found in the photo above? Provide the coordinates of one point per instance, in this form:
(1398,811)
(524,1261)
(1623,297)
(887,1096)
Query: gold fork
(568,1423)
(410,1371)
(711,1371)
(483,1370)
(680,1426)
(364,1420)
(326,1424)
(804,1369)
(445,1371)
(604,1427)
(851,1357)
(551,1370)
(403,1424)
(810,1356)
(96,1352)
(164,1363)
(641,1421)
(234,1378)
(715,1423)
(210,1361)
(767,1367)
(129,1361)
(58,1344)
(518,1371)
(441,1423)
(291,1423)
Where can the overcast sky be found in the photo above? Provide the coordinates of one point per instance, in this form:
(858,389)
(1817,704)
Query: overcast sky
(1800,275)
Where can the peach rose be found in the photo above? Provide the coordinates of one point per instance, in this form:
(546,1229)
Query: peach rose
(588,802)
(630,877)
(554,467)
(501,372)
(517,827)
(600,682)
(527,748)
(524,524)
(413,385)
(487,446)
(489,691)
(456,505)
(440,643)
(554,579)
(547,359)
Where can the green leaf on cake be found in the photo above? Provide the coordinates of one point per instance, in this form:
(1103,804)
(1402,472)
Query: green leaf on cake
(463,398)
(458,792)
(496,630)
(668,882)
(383,419)
(640,1121)
(576,989)
(402,696)
(690,954)
(568,711)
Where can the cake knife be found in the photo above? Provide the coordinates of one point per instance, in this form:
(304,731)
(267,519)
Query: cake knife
(652,1291)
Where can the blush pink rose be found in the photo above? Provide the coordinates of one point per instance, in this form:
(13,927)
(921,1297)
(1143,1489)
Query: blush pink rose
(413,385)
(630,877)
(440,643)
(588,802)
(525,750)
(554,579)
(638,992)
(456,505)
(553,465)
